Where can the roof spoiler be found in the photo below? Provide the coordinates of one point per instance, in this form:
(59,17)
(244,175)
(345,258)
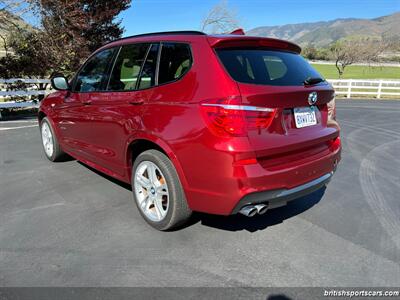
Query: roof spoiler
(251,41)
(238,31)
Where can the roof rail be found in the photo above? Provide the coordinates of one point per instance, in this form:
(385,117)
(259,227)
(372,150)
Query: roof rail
(184,32)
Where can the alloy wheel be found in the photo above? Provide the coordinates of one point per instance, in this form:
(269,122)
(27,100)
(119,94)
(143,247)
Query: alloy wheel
(151,191)
(47,139)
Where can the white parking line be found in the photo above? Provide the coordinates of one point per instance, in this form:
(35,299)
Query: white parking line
(29,210)
(18,127)
(19,121)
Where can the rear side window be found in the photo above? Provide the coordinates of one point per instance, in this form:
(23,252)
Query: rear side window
(95,72)
(266,67)
(175,61)
(127,67)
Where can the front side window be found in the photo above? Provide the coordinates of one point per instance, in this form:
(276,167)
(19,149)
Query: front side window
(127,67)
(267,67)
(175,61)
(95,72)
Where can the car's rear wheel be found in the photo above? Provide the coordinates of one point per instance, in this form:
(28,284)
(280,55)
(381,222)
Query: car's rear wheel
(50,143)
(158,192)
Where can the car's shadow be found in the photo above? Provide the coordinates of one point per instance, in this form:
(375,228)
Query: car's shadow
(279,297)
(259,222)
(112,179)
(240,222)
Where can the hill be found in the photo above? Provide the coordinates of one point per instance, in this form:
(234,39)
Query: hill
(321,34)
(8,22)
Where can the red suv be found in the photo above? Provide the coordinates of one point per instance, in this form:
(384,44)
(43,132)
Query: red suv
(221,124)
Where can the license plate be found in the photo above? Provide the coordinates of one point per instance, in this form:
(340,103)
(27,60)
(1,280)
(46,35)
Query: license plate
(304,116)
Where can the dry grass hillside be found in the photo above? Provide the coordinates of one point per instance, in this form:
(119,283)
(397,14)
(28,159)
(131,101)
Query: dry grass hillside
(321,34)
(8,22)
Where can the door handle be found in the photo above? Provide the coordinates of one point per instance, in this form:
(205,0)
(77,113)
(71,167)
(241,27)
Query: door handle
(88,102)
(136,101)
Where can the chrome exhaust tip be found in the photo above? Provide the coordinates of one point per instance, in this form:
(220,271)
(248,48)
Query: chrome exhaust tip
(248,211)
(261,208)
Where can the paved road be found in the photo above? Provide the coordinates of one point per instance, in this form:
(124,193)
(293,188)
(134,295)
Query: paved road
(62,224)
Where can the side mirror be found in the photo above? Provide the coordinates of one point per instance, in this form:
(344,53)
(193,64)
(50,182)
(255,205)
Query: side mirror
(60,83)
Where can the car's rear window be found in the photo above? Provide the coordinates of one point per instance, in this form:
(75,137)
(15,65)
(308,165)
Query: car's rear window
(266,67)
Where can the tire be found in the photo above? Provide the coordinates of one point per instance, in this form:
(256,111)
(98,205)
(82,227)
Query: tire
(56,153)
(164,189)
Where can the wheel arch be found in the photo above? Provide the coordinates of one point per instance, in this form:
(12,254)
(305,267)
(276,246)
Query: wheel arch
(41,116)
(146,142)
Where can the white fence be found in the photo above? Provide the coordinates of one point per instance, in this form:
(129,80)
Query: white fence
(24,80)
(33,89)
(372,88)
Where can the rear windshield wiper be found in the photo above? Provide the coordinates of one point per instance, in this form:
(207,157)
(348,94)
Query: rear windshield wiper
(313,80)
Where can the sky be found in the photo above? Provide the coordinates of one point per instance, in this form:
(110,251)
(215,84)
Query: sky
(165,15)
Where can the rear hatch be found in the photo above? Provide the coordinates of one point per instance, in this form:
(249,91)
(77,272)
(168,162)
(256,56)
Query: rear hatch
(278,78)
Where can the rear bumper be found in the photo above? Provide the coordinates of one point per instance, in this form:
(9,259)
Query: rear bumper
(280,197)
(233,187)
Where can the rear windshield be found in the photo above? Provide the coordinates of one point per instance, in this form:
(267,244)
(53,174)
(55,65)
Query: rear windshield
(266,67)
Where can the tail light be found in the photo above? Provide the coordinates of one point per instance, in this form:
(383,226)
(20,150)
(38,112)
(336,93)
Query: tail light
(228,117)
(331,109)
(335,143)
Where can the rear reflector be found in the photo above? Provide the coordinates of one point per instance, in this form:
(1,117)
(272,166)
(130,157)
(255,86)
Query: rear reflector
(228,117)
(245,162)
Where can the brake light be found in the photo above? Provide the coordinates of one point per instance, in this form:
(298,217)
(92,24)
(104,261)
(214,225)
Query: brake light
(228,117)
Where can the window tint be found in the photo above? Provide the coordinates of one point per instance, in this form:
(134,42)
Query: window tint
(127,67)
(175,61)
(266,67)
(95,72)
(148,75)
(276,68)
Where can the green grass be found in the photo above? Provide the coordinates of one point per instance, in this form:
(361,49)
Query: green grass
(359,72)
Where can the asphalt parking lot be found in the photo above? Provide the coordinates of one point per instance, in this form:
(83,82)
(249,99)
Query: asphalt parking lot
(63,224)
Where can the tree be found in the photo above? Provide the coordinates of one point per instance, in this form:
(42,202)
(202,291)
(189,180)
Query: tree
(344,55)
(309,52)
(10,12)
(69,31)
(347,52)
(29,57)
(10,21)
(220,19)
(75,28)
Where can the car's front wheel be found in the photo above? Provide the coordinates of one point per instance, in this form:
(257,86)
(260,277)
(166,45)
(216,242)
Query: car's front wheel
(158,192)
(50,143)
